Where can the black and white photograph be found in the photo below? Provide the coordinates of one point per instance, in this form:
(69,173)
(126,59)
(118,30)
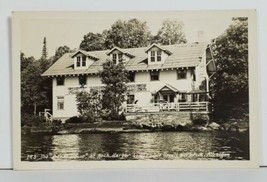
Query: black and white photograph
(134,87)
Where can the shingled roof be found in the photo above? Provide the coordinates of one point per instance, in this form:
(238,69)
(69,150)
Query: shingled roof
(182,55)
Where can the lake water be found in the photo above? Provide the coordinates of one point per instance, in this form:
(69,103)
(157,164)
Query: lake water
(136,146)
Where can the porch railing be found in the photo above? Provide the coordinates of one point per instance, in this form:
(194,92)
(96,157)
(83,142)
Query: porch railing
(47,115)
(158,107)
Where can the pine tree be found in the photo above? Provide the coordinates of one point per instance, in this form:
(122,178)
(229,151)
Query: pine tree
(44,51)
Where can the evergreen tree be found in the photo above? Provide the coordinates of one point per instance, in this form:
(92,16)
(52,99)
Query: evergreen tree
(44,51)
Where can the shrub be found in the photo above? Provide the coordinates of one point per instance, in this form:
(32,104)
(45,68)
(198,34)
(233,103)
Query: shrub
(199,119)
(74,119)
(31,120)
(89,106)
(56,122)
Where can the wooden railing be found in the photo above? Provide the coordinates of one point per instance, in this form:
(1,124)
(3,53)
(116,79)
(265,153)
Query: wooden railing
(48,116)
(158,107)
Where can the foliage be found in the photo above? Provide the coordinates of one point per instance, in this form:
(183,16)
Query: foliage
(230,83)
(171,32)
(60,52)
(199,119)
(74,119)
(31,120)
(115,78)
(93,42)
(128,34)
(25,61)
(32,88)
(133,33)
(89,105)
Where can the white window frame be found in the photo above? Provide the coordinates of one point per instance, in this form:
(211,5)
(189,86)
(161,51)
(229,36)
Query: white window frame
(153,56)
(117,58)
(78,61)
(83,61)
(60,100)
(159,54)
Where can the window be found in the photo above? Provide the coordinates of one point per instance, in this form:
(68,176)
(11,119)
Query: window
(158,56)
(120,57)
(60,80)
(181,74)
(131,76)
(84,61)
(117,58)
(82,80)
(114,58)
(60,103)
(182,97)
(152,57)
(130,99)
(154,75)
(78,62)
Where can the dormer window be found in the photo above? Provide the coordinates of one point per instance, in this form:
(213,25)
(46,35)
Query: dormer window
(117,58)
(120,57)
(78,64)
(158,56)
(81,61)
(114,58)
(84,61)
(152,58)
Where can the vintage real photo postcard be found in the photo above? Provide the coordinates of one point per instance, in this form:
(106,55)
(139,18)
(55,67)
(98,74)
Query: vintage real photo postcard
(150,89)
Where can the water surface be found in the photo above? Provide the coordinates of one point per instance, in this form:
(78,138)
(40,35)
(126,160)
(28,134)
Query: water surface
(136,146)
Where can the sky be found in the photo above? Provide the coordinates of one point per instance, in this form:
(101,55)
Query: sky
(69,28)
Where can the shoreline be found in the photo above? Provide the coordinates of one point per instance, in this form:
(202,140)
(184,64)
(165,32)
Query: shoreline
(76,130)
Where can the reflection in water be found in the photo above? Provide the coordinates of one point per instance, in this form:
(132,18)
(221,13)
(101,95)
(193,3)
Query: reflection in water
(134,146)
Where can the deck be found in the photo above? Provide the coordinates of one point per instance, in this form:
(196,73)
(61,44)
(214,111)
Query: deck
(162,107)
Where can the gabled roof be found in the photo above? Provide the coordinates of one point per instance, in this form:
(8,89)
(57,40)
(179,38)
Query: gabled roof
(84,53)
(168,86)
(183,55)
(158,46)
(121,50)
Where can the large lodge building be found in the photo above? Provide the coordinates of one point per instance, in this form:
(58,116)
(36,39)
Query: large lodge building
(171,77)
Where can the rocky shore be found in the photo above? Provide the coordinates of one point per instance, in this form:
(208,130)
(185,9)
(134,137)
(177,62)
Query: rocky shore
(126,127)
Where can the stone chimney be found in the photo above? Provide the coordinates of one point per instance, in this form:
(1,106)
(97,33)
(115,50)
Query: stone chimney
(201,36)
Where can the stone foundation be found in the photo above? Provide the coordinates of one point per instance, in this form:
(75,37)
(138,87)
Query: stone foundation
(176,118)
